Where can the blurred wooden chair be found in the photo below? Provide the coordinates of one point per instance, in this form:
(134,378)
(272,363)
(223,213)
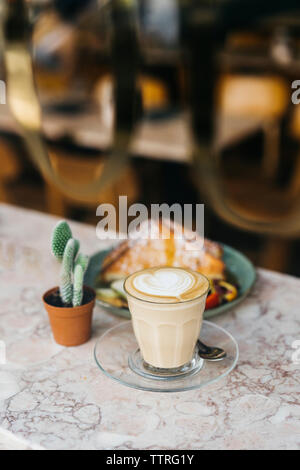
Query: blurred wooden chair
(263,99)
(79,169)
(295,130)
(10,168)
(260,98)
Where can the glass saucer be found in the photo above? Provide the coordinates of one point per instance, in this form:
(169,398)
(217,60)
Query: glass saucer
(117,355)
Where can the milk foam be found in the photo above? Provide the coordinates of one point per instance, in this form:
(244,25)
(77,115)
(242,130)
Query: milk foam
(164,282)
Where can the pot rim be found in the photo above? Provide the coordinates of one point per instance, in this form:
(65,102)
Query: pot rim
(74,309)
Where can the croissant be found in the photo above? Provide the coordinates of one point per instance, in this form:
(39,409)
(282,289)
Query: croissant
(132,255)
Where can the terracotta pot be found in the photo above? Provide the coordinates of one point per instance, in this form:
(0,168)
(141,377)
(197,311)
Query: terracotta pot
(71,326)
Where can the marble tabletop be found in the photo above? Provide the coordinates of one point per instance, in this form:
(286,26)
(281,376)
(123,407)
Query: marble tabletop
(53,397)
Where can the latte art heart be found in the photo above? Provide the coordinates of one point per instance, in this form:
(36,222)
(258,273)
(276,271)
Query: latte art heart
(164,282)
(166,285)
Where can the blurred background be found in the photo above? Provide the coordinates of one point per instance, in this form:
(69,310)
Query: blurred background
(257,127)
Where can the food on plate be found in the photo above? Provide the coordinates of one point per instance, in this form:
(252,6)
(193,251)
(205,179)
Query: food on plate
(111,297)
(118,287)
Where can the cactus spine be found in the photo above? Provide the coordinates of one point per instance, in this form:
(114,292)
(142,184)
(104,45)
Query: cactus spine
(65,249)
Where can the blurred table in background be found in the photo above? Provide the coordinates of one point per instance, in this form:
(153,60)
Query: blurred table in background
(167,139)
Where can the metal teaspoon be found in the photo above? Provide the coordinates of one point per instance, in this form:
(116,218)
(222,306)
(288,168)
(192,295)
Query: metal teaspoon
(210,353)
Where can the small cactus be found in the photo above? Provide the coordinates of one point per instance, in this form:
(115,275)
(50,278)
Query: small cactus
(65,248)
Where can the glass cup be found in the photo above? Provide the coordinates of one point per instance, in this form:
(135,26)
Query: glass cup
(167,333)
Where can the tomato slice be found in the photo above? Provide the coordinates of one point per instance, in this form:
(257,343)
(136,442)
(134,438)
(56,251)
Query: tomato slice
(213,300)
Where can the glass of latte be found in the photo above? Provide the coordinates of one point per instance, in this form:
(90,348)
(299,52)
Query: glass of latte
(167,306)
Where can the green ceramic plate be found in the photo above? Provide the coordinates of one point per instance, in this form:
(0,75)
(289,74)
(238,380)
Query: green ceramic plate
(239,270)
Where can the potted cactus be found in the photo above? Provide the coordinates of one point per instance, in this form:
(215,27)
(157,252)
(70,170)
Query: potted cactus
(69,306)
